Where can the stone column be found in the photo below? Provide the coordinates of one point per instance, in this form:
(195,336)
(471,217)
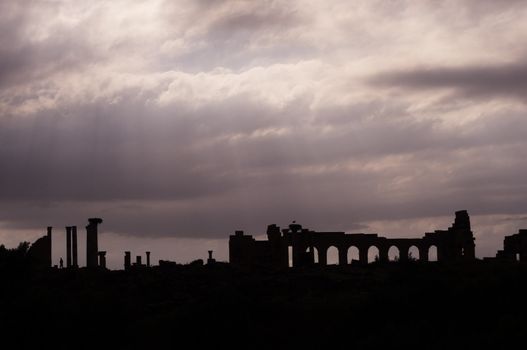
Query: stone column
(127,260)
(322,256)
(68,246)
(403,253)
(383,254)
(363,255)
(75,263)
(92,247)
(343,255)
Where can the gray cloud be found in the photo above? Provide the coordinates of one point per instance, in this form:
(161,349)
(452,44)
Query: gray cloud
(504,80)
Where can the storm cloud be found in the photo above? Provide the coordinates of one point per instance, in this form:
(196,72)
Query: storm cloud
(191,119)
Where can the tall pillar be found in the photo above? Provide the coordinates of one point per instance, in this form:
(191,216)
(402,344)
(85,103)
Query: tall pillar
(68,246)
(423,254)
(147,259)
(127,260)
(92,248)
(322,256)
(403,253)
(74,246)
(383,254)
(343,256)
(363,255)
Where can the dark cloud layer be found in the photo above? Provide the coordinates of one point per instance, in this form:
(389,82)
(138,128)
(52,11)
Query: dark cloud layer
(505,80)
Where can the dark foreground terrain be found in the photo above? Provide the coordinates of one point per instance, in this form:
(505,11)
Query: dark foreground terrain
(398,305)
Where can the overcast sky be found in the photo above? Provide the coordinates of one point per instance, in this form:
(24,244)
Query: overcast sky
(179,122)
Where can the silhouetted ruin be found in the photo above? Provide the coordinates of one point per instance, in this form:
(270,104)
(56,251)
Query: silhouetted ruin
(296,246)
(210,259)
(257,288)
(514,247)
(127,260)
(138,261)
(454,244)
(92,248)
(74,246)
(71,246)
(39,253)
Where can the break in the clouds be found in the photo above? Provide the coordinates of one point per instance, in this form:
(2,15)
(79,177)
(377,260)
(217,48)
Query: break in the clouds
(194,118)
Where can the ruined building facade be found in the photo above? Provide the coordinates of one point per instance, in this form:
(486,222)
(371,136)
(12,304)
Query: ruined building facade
(514,247)
(39,254)
(454,244)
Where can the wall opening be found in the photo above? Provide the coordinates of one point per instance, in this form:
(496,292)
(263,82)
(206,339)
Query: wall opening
(315,254)
(413,253)
(290,256)
(393,253)
(353,255)
(333,255)
(373,254)
(432,253)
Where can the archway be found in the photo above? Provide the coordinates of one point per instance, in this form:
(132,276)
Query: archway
(290,256)
(413,253)
(373,254)
(315,254)
(333,255)
(432,253)
(393,253)
(353,255)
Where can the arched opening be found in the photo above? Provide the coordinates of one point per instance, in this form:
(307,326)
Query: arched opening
(333,256)
(413,253)
(432,253)
(517,256)
(315,254)
(373,254)
(353,255)
(393,253)
(290,256)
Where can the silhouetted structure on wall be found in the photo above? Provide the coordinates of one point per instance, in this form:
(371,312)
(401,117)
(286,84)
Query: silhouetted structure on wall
(92,249)
(514,247)
(74,254)
(71,246)
(138,260)
(127,260)
(39,253)
(68,246)
(210,259)
(454,244)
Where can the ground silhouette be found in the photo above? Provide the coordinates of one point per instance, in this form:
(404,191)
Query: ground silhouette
(458,301)
(429,306)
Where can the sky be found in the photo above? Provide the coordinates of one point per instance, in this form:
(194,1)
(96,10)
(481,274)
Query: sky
(179,122)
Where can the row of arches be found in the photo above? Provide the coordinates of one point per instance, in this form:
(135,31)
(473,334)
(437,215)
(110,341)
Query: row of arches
(332,254)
